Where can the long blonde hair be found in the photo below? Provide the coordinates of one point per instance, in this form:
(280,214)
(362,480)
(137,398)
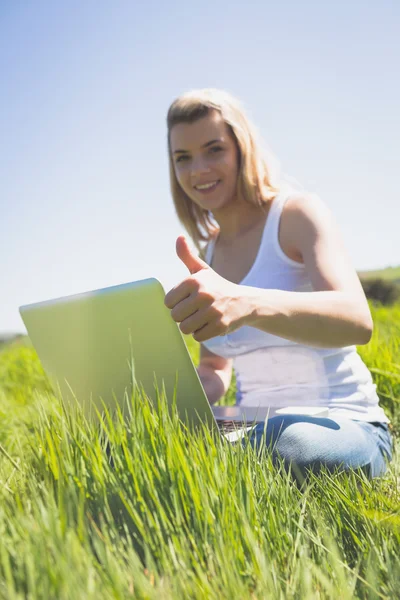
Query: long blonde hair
(258,172)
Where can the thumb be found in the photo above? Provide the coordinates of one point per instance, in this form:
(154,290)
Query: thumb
(193,262)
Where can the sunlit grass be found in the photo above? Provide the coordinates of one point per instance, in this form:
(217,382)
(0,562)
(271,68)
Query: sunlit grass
(382,357)
(147,509)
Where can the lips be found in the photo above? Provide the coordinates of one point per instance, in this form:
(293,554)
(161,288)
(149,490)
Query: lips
(206,187)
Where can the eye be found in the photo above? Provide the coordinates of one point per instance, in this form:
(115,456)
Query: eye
(182,157)
(215,149)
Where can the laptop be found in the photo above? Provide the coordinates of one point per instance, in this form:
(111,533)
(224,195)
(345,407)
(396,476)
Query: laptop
(98,346)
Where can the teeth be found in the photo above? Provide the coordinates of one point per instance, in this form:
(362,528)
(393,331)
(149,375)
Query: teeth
(205,186)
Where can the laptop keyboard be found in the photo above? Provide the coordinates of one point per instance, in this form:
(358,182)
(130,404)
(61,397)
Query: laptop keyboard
(226,426)
(232,430)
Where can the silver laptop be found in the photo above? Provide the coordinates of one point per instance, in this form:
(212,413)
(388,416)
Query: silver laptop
(98,346)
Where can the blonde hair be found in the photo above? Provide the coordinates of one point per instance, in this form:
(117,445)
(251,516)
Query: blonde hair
(258,168)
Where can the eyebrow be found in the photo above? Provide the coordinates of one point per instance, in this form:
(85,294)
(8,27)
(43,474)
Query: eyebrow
(219,140)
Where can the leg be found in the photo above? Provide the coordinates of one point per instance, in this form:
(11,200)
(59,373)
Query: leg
(309,442)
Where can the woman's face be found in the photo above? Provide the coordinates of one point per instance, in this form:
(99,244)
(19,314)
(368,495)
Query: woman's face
(205,158)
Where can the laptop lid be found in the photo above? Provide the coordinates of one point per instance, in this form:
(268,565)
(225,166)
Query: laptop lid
(103,343)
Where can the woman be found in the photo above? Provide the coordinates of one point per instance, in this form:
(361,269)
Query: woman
(276,296)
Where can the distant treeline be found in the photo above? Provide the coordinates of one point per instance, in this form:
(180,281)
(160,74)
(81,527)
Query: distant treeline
(381,290)
(382,286)
(389,274)
(6,338)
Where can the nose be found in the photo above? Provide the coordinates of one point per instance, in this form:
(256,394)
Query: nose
(199,166)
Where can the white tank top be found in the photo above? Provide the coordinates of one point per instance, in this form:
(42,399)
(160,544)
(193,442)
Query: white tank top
(273,371)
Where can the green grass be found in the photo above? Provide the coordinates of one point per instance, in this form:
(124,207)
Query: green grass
(389,274)
(182,515)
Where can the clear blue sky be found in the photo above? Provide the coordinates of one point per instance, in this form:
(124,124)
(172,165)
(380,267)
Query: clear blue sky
(85,86)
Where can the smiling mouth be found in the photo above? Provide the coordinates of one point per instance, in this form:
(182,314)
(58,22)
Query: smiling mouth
(206,187)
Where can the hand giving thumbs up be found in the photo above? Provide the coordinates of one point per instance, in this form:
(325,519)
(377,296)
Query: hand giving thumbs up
(205,304)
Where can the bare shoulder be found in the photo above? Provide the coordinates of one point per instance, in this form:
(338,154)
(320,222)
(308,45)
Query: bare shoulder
(316,236)
(289,225)
(301,213)
(305,204)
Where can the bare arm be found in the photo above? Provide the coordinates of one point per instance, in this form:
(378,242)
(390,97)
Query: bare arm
(329,319)
(336,313)
(215,374)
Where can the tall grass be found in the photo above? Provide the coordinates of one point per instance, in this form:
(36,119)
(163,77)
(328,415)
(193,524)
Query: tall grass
(382,356)
(143,508)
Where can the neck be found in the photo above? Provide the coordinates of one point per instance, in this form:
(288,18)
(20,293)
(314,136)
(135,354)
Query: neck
(236,223)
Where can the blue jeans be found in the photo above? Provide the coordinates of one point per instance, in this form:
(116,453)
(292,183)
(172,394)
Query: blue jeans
(306,442)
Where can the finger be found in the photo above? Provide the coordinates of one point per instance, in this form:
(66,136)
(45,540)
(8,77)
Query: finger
(194,322)
(188,257)
(205,333)
(177,294)
(187,307)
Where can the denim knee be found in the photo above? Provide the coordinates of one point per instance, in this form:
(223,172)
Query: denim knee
(309,442)
(297,448)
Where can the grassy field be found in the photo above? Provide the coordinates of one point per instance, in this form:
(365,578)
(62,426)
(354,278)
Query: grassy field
(389,274)
(172,515)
